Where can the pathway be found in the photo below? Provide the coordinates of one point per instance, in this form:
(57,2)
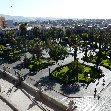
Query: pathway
(84,103)
(18,98)
(4,106)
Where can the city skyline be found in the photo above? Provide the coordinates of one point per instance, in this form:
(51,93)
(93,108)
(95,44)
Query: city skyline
(92,9)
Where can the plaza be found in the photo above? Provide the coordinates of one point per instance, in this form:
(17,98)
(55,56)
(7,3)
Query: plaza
(84,98)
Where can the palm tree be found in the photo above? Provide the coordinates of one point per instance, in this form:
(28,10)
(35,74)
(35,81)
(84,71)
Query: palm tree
(23,29)
(36,31)
(35,47)
(85,39)
(100,39)
(106,42)
(10,37)
(59,33)
(74,41)
(68,32)
(57,52)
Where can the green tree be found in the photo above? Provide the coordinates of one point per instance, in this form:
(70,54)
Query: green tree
(57,52)
(74,41)
(85,39)
(10,37)
(68,32)
(35,47)
(36,31)
(23,29)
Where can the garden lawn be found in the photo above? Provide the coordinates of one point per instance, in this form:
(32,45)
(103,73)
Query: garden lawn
(34,64)
(104,62)
(61,73)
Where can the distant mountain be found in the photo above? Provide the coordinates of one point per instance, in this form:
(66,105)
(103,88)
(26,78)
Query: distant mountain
(25,19)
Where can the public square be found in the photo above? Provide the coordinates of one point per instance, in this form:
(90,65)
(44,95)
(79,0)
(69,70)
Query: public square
(83,98)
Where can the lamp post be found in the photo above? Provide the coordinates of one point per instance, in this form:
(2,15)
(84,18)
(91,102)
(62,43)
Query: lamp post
(49,74)
(89,77)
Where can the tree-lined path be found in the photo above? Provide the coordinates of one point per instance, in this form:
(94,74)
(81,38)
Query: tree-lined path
(42,76)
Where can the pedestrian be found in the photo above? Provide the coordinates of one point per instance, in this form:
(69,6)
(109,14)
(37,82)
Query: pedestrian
(15,73)
(98,78)
(94,95)
(103,80)
(95,90)
(98,97)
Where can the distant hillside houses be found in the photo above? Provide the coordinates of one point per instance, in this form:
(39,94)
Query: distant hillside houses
(9,23)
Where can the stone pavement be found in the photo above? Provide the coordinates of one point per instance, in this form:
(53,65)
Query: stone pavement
(4,106)
(98,84)
(18,98)
(88,93)
(101,104)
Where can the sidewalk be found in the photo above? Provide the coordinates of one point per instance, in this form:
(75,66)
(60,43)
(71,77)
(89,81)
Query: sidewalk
(43,77)
(98,84)
(83,92)
(4,106)
(17,97)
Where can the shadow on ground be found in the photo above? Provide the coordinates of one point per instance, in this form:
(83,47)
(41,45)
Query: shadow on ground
(19,66)
(2,61)
(70,88)
(30,106)
(29,74)
(46,82)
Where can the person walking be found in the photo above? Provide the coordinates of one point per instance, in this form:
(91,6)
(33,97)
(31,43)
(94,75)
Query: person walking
(95,92)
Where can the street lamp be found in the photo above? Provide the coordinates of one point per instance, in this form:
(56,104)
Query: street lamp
(89,77)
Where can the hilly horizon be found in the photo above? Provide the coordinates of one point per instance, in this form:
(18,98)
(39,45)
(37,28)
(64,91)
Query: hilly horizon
(26,19)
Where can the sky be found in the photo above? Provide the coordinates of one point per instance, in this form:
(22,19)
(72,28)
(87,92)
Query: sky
(57,8)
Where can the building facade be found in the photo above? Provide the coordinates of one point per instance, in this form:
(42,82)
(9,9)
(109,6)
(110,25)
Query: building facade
(2,22)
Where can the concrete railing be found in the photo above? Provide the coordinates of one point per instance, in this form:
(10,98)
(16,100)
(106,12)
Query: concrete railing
(44,96)
(53,101)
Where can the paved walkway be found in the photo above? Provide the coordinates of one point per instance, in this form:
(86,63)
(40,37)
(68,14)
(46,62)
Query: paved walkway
(42,76)
(4,106)
(17,97)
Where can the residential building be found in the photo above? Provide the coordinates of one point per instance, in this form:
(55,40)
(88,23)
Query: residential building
(2,22)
